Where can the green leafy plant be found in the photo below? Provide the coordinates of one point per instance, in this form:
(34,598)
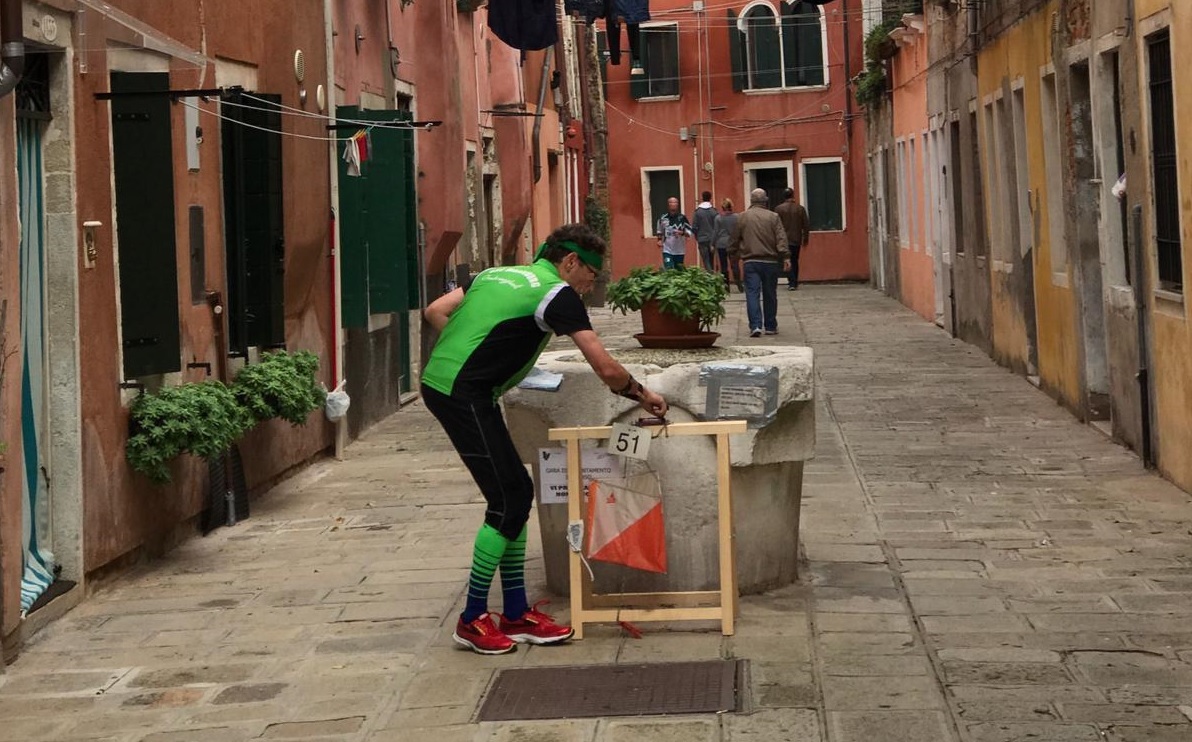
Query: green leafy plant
(869,87)
(203,419)
(281,385)
(682,292)
(596,217)
(206,418)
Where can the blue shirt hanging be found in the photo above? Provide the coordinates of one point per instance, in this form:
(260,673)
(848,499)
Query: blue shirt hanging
(529,25)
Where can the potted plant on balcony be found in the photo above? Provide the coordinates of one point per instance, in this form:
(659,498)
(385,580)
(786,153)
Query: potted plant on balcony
(678,306)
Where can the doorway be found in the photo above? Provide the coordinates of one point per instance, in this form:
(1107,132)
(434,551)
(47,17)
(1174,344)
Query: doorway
(1088,247)
(40,565)
(772,177)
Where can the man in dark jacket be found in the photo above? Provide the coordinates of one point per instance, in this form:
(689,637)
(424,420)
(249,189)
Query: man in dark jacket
(760,242)
(797,226)
(704,222)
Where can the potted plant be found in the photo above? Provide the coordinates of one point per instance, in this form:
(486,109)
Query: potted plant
(207,418)
(678,306)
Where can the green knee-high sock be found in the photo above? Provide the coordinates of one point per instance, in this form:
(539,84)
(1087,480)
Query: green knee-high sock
(486,558)
(513,577)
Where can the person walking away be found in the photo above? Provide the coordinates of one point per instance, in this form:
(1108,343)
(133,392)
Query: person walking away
(797,226)
(722,236)
(492,332)
(704,221)
(759,240)
(672,230)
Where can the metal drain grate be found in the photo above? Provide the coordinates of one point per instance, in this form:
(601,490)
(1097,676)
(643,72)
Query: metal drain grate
(613,690)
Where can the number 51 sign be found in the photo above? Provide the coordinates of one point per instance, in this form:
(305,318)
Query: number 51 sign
(631,441)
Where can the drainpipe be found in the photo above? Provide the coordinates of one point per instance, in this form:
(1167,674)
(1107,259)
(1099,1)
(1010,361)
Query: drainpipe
(848,78)
(12,46)
(543,84)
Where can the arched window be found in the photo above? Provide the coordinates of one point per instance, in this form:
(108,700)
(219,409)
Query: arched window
(781,48)
(802,44)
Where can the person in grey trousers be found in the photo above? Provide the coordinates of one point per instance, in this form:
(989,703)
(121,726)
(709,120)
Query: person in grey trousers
(722,237)
(704,222)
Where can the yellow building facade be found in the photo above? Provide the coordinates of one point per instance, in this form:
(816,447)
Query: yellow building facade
(1170,333)
(1033,306)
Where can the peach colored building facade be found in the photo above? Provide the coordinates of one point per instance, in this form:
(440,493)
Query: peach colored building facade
(917,219)
(751,94)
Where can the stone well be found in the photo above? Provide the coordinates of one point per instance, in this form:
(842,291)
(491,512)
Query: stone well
(767,463)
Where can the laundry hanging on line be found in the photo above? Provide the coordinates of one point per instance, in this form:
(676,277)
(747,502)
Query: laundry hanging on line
(528,25)
(356,152)
(631,13)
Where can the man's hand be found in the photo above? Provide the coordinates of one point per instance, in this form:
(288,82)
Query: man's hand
(653,403)
(786,266)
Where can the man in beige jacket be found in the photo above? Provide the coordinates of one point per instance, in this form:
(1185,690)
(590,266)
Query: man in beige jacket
(759,240)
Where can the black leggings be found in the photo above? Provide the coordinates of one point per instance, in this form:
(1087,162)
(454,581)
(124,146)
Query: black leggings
(478,432)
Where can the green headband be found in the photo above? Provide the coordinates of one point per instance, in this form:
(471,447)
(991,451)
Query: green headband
(589,258)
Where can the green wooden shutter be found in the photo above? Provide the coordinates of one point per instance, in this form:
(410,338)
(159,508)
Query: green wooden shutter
(764,52)
(736,53)
(353,247)
(378,222)
(387,235)
(825,210)
(667,82)
(639,85)
(802,42)
(142,163)
(410,222)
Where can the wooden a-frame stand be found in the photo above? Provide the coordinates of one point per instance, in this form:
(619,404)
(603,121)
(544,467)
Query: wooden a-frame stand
(706,605)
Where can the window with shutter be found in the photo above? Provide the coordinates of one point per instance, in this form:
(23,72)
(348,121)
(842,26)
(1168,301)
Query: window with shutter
(142,160)
(379,270)
(660,185)
(736,50)
(777,49)
(660,62)
(823,194)
(254,224)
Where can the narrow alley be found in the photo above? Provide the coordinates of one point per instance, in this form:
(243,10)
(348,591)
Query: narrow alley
(979,567)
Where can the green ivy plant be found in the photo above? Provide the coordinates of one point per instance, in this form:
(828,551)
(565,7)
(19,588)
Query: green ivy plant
(281,385)
(203,419)
(870,86)
(684,292)
(596,217)
(206,418)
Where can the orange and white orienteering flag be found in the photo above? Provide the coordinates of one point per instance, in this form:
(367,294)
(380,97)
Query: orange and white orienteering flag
(625,524)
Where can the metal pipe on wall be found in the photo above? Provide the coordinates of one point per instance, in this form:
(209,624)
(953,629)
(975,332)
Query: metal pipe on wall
(543,84)
(12,46)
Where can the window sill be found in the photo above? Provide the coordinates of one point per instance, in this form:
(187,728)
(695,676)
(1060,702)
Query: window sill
(659,99)
(827,231)
(779,91)
(1170,303)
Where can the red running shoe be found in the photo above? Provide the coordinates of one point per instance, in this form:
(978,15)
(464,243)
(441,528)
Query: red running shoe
(536,627)
(482,637)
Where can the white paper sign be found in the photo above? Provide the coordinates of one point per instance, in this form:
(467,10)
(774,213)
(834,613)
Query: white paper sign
(631,441)
(742,401)
(552,471)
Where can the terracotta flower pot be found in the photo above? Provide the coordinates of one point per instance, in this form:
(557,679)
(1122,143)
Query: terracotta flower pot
(657,322)
(662,330)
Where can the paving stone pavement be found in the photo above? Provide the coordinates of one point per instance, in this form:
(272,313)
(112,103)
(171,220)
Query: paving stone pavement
(980,567)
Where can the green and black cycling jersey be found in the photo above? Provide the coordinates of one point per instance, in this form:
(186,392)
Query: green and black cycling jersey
(494,337)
